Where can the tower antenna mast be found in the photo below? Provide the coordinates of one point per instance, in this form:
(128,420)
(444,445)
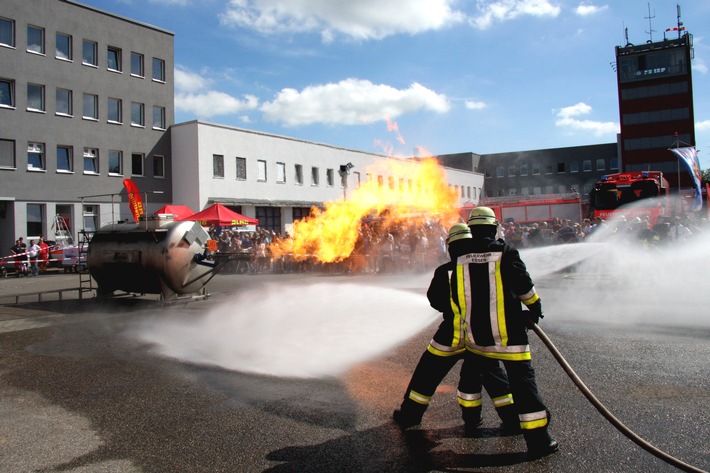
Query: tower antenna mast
(650,27)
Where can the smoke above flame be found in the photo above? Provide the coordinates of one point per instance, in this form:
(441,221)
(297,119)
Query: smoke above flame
(399,192)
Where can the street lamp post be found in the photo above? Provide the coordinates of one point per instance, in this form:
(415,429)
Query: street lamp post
(344,171)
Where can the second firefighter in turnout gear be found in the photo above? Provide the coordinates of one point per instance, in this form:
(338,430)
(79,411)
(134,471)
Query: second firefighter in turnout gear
(487,289)
(446,348)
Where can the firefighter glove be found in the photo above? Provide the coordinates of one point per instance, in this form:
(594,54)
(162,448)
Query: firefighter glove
(534,313)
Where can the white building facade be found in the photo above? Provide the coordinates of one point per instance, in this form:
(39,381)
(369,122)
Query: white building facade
(277,179)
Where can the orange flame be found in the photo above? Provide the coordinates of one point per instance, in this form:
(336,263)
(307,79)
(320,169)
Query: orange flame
(400,191)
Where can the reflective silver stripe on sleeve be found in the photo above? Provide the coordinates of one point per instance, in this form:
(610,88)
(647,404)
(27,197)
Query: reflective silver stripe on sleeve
(531,416)
(469,396)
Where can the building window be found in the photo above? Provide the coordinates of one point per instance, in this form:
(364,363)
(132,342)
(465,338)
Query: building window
(35,97)
(65,160)
(573,166)
(548,168)
(261,170)
(269,218)
(137,65)
(35,39)
(114,110)
(512,191)
(357,180)
(241,169)
(35,157)
(560,168)
(91,218)
(64,47)
(158,70)
(380,181)
(7,154)
(315,176)
(158,166)
(614,164)
(536,169)
(115,162)
(280,173)
(35,220)
(511,171)
(91,107)
(500,171)
(113,59)
(217,166)
(64,102)
(586,165)
(330,177)
(524,191)
(89,51)
(137,115)
(549,190)
(524,169)
(298,178)
(463,192)
(91,161)
(537,190)
(158,117)
(7,93)
(600,164)
(7,32)
(137,164)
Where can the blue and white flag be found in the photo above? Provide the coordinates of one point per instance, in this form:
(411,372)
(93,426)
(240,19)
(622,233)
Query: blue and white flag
(689,157)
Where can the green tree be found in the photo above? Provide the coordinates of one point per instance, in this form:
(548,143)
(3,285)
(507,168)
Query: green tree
(706,175)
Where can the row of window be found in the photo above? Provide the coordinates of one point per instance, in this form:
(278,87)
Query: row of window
(562,167)
(653,142)
(656,116)
(63,160)
(539,190)
(37,218)
(261,175)
(64,105)
(64,50)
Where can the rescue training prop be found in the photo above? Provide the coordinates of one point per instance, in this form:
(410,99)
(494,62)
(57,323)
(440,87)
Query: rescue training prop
(605,412)
(154,256)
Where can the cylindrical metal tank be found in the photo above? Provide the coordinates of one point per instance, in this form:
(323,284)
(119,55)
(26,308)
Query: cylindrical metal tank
(154,257)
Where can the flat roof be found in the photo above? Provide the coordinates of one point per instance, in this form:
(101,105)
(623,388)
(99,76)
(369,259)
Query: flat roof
(119,17)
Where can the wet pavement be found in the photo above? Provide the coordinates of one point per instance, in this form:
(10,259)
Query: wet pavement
(77,395)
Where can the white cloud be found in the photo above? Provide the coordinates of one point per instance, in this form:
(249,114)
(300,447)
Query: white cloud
(702,126)
(358,19)
(567,117)
(189,81)
(503,10)
(194,95)
(475,105)
(700,66)
(212,103)
(584,9)
(350,102)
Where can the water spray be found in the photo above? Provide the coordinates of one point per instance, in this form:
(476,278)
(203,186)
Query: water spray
(605,412)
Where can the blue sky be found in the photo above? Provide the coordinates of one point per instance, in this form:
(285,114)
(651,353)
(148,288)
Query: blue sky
(448,76)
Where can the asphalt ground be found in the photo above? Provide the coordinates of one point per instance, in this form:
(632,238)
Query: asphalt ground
(77,396)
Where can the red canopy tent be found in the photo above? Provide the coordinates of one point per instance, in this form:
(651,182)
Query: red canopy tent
(181,212)
(218,214)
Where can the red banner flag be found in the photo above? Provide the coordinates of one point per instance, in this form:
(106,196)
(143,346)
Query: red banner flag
(134,199)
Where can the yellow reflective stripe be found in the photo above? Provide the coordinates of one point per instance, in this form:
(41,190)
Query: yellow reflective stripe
(502,355)
(500,309)
(419,398)
(457,308)
(440,350)
(505,400)
(469,399)
(529,298)
(533,420)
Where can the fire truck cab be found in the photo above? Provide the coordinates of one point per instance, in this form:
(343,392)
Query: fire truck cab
(648,188)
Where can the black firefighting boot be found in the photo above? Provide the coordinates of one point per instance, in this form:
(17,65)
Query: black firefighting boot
(409,414)
(472,420)
(511,421)
(539,443)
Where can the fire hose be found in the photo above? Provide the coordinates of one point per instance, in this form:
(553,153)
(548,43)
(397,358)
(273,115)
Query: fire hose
(605,412)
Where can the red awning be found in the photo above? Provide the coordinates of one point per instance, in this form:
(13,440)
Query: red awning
(218,214)
(181,212)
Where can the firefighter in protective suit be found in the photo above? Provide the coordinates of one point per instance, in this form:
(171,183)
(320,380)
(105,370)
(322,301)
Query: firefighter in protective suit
(487,289)
(446,348)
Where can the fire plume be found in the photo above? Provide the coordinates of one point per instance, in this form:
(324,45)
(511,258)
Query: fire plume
(399,192)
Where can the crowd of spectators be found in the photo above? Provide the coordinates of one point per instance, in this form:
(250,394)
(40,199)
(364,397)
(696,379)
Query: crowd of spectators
(422,246)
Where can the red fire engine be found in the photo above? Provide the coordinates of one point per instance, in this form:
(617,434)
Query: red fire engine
(532,208)
(647,190)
